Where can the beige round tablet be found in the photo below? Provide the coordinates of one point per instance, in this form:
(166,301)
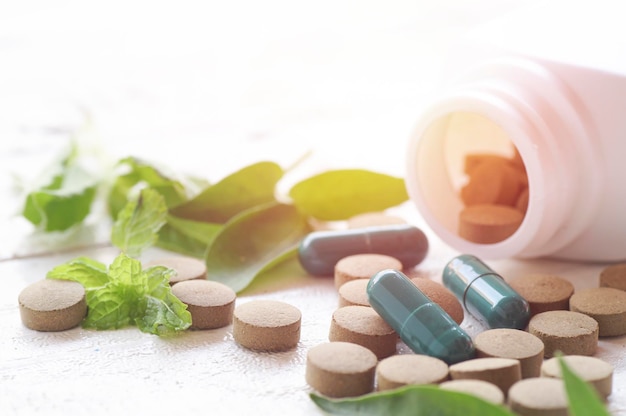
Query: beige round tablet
(591,369)
(544,292)
(374,219)
(186,268)
(480,388)
(572,333)
(267,325)
(614,276)
(604,304)
(404,369)
(512,343)
(503,372)
(52,305)
(340,369)
(442,296)
(540,396)
(354,292)
(363,325)
(210,303)
(363,266)
(488,224)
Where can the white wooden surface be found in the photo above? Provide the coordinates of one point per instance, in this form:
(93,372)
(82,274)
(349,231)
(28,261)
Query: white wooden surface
(205,88)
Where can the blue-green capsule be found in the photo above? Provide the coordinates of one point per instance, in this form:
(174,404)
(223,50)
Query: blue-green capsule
(321,250)
(422,324)
(485,294)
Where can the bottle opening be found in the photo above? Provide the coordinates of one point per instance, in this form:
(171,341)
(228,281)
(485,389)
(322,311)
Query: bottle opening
(472,177)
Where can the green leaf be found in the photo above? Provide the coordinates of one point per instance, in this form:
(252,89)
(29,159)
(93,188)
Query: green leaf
(246,188)
(142,174)
(90,273)
(64,202)
(414,400)
(187,237)
(108,308)
(583,399)
(253,241)
(138,223)
(340,194)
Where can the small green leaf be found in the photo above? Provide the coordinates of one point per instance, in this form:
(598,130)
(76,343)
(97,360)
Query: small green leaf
(253,241)
(413,400)
(138,223)
(583,399)
(140,174)
(340,194)
(246,188)
(90,273)
(108,309)
(187,237)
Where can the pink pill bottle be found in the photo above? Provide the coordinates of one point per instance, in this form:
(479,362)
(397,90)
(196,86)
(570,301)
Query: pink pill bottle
(550,81)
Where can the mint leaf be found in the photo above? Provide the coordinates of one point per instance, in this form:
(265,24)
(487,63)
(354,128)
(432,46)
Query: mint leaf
(413,400)
(108,308)
(187,237)
(137,224)
(253,241)
(340,194)
(90,273)
(141,174)
(246,188)
(583,399)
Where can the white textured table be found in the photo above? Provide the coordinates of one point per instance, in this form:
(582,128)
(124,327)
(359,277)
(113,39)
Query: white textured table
(218,85)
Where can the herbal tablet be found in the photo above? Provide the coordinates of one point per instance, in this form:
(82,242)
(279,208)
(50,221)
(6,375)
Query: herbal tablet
(538,396)
(186,268)
(52,305)
(512,343)
(604,304)
(267,325)
(591,369)
(354,292)
(503,372)
(572,333)
(341,369)
(422,324)
(480,388)
(489,223)
(362,325)
(442,297)
(544,292)
(614,276)
(485,294)
(373,219)
(320,251)
(210,304)
(363,266)
(404,369)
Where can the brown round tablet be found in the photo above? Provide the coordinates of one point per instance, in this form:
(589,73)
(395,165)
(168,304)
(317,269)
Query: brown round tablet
(373,219)
(186,268)
(614,276)
(593,370)
(540,396)
(442,296)
(480,388)
(210,304)
(404,369)
(604,304)
(512,343)
(544,292)
(267,325)
(354,292)
(52,305)
(488,224)
(572,333)
(340,369)
(503,372)
(363,325)
(363,266)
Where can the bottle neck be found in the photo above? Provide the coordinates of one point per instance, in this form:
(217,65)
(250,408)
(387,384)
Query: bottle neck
(504,102)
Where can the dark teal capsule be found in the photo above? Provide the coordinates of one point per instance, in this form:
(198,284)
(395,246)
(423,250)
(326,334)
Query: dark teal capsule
(321,250)
(485,294)
(421,323)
